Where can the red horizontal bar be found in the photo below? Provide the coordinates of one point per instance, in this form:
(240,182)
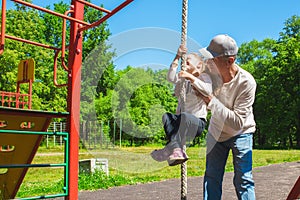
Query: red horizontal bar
(50,11)
(106,16)
(94,6)
(30,42)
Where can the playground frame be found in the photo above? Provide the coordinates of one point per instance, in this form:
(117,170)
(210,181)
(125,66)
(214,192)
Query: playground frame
(73,69)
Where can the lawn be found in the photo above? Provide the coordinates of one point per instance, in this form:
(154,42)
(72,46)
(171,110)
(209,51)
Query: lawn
(129,166)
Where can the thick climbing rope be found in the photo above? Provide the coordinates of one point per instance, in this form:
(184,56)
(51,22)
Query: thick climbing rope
(183,93)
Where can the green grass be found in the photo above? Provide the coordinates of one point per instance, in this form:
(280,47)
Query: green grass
(129,166)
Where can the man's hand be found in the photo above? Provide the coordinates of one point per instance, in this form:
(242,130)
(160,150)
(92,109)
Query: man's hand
(206,99)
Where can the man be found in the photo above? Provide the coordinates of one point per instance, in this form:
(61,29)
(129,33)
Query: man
(232,122)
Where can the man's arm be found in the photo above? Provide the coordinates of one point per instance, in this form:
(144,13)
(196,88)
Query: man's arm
(236,116)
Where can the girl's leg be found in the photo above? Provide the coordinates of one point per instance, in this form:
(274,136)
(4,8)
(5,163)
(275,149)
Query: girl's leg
(190,127)
(170,124)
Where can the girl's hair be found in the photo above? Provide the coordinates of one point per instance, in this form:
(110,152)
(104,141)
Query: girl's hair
(200,64)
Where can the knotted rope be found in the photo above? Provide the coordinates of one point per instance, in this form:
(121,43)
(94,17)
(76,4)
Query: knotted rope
(183,93)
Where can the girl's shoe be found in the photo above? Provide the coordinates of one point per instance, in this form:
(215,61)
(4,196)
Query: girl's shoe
(177,157)
(161,154)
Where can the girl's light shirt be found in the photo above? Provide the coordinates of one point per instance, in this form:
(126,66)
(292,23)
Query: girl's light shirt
(194,104)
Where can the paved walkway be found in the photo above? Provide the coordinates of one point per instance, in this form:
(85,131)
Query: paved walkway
(272,182)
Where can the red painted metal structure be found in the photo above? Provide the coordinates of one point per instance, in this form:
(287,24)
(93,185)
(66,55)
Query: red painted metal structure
(295,192)
(73,69)
(15,100)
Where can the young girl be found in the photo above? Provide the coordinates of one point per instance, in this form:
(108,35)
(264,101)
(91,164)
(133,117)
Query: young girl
(189,123)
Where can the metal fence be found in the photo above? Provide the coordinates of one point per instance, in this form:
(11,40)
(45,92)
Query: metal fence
(93,135)
(53,140)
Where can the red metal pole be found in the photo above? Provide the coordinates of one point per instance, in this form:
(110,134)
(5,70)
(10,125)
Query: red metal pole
(3,26)
(74,81)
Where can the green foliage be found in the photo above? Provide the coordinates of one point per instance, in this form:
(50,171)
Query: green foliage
(38,189)
(53,31)
(140,98)
(275,66)
(95,36)
(98,78)
(99,179)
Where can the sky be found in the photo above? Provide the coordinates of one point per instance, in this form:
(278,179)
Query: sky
(147,32)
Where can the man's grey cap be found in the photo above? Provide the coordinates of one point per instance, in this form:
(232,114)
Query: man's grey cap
(220,45)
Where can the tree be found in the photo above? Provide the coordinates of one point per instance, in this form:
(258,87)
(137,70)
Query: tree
(275,66)
(139,99)
(288,58)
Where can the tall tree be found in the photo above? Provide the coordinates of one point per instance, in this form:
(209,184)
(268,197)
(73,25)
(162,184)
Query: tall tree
(275,66)
(288,58)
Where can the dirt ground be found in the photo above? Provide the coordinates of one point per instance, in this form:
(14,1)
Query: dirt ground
(273,182)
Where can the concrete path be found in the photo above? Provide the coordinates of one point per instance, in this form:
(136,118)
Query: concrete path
(272,182)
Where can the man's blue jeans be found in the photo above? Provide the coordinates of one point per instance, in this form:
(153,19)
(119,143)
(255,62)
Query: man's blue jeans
(216,157)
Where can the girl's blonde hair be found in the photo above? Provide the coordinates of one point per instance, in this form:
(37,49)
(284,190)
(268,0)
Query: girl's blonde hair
(217,81)
(199,60)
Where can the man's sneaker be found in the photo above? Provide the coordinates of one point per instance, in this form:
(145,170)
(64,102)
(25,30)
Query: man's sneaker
(177,157)
(161,154)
